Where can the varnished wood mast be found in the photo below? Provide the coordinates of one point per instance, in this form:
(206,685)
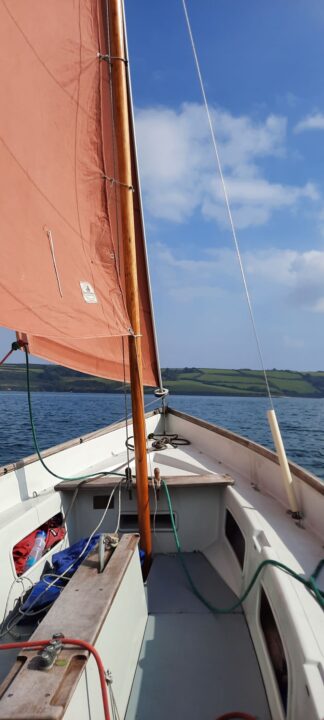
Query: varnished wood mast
(122,130)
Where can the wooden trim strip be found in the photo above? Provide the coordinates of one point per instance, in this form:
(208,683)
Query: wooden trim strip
(79,612)
(304,475)
(106,483)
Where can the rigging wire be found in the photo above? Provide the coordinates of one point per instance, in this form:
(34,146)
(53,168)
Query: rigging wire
(149,456)
(27,613)
(80,478)
(227,202)
(116,531)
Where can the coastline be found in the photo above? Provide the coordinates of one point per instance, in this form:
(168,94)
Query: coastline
(203,382)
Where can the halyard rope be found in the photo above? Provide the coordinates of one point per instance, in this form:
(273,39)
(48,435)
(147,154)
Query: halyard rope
(227,202)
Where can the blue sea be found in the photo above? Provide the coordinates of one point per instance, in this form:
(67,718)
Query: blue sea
(62,416)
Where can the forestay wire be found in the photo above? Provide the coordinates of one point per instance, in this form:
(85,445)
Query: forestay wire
(227,202)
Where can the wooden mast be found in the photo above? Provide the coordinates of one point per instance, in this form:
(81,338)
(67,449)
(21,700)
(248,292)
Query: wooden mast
(122,130)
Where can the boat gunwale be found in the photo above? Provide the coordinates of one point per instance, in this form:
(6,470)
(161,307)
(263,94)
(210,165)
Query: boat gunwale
(305,475)
(74,442)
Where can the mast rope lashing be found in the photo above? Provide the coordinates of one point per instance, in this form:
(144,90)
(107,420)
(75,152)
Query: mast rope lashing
(113,181)
(110,58)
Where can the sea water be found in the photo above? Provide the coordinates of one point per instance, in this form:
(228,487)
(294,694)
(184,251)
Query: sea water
(62,416)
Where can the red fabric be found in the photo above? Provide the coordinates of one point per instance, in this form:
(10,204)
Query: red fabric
(61,244)
(54,533)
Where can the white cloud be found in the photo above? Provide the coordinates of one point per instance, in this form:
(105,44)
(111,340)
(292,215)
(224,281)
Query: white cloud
(298,275)
(178,167)
(254,200)
(310,122)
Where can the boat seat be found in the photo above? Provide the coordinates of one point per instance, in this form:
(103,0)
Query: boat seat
(105,482)
(79,612)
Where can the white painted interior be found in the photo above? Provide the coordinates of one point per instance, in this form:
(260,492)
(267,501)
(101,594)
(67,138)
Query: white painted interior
(258,502)
(119,645)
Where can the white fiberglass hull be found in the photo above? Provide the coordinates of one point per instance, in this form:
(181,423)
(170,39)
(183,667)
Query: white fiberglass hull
(219,475)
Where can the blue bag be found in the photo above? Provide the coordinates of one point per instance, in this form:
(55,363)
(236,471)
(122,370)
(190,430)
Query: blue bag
(42,595)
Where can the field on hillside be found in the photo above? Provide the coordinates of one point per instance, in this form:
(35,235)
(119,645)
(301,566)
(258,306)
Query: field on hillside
(180,381)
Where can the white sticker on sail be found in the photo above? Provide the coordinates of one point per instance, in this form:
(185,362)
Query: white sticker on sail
(88,292)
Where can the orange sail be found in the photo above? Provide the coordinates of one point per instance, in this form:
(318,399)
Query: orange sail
(61,252)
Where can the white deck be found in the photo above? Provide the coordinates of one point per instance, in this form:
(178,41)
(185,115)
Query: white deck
(194,664)
(219,649)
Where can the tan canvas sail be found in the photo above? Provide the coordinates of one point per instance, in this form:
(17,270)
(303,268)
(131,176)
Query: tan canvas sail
(61,252)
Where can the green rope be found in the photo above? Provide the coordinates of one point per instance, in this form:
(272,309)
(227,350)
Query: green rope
(310,583)
(32,425)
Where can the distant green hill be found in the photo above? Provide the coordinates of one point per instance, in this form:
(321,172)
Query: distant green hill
(180,381)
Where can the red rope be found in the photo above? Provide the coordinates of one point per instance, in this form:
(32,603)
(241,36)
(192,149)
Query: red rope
(236,716)
(6,357)
(70,641)
(15,346)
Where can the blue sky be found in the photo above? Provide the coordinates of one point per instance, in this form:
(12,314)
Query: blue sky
(262,65)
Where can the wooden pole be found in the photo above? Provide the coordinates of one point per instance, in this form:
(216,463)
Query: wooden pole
(283,462)
(122,130)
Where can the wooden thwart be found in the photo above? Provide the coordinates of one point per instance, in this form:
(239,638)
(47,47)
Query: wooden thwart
(79,612)
(103,482)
